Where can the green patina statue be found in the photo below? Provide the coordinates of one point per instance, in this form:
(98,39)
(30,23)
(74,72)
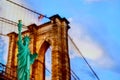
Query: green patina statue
(25,58)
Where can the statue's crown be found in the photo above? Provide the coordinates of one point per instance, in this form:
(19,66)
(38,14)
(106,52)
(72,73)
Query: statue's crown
(26,38)
(19,21)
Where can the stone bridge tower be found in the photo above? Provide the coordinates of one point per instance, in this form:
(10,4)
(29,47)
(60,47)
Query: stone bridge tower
(54,34)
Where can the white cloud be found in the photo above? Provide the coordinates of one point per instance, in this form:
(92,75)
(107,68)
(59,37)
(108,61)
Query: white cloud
(47,78)
(89,48)
(105,62)
(12,12)
(72,53)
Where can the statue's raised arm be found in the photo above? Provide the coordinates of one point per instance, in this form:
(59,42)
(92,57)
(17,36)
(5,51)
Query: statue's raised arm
(19,30)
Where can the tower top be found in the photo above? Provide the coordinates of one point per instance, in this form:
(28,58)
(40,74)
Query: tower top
(61,19)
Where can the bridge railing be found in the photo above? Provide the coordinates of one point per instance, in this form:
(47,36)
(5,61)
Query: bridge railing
(7,73)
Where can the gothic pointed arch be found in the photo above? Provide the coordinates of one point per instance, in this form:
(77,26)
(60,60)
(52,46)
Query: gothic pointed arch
(53,33)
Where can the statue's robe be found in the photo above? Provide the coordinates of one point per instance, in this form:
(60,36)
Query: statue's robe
(25,59)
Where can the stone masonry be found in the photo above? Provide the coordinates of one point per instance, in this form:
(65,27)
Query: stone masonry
(52,34)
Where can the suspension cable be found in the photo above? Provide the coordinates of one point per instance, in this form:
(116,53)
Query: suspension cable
(2,34)
(27,9)
(10,22)
(74,75)
(84,58)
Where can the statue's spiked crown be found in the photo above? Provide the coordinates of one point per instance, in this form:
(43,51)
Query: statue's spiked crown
(20,21)
(26,38)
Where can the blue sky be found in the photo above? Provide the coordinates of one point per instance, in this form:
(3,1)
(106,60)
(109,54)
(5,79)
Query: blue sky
(95,30)
(95,23)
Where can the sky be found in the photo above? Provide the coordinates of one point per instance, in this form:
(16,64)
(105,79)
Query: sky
(94,29)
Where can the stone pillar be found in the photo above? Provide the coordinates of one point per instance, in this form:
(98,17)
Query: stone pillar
(65,60)
(11,62)
(60,57)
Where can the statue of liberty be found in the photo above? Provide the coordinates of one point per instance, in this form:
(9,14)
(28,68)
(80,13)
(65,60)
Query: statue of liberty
(24,57)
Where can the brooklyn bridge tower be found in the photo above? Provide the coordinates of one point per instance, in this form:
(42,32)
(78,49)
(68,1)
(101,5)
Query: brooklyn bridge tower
(52,34)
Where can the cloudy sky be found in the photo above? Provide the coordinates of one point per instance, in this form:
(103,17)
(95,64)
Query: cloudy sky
(94,29)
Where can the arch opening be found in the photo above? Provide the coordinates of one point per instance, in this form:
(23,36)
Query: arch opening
(43,67)
(48,64)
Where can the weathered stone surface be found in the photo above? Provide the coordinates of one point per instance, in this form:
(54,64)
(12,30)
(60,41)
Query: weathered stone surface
(54,34)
